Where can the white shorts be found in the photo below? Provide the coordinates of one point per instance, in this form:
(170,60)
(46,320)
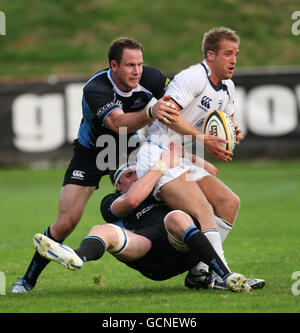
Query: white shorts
(150,153)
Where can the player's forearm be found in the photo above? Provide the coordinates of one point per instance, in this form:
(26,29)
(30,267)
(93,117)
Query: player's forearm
(182,127)
(137,193)
(132,121)
(140,190)
(144,186)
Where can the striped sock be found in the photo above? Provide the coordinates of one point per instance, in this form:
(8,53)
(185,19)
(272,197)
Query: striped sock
(203,250)
(91,248)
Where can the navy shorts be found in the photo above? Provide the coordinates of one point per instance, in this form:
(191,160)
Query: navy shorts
(82,169)
(162,261)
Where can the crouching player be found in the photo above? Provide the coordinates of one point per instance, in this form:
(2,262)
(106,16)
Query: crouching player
(144,233)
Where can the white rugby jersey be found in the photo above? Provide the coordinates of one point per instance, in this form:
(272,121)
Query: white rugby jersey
(193,91)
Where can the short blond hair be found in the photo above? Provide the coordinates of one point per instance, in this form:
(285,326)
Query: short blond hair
(213,37)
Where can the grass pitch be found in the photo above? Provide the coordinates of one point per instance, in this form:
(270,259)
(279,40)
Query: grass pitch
(264,243)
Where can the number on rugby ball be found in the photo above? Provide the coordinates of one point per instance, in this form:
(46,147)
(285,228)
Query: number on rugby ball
(219,124)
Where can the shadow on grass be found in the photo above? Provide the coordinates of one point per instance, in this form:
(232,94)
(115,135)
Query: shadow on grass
(112,291)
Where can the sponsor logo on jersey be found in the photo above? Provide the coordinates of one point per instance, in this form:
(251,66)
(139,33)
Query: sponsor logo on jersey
(167,83)
(78,174)
(109,106)
(200,122)
(205,102)
(138,103)
(145,210)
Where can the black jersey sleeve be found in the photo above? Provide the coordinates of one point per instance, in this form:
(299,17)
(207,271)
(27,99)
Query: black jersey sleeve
(105,208)
(99,99)
(155,81)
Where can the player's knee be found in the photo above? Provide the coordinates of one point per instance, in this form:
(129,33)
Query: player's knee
(236,202)
(118,240)
(114,237)
(232,201)
(231,205)
(99,230)
(176,223)
(66,223)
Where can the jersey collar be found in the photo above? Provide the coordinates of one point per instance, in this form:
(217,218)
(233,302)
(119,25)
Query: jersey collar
(220,86)
(207,69)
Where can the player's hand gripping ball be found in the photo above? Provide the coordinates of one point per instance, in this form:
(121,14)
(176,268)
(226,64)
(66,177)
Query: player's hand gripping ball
(219,124)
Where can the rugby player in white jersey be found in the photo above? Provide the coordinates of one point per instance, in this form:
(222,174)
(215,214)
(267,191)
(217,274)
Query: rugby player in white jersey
(196,91)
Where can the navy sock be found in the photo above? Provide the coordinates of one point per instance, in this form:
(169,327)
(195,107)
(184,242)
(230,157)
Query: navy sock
(37,264)
(202,250)
(91,248)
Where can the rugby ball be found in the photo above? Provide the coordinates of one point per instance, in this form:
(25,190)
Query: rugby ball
(219,124)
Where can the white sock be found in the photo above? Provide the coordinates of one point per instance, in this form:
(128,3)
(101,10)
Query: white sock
(223,227)
(199,266)
(215,239)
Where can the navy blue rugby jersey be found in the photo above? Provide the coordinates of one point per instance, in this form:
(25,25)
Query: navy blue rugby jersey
(101,96)
(149,212)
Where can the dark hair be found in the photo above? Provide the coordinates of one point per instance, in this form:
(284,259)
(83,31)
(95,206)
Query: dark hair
(115,51)
(213,37)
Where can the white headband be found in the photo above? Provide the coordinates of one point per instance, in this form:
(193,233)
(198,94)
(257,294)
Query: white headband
(121,170)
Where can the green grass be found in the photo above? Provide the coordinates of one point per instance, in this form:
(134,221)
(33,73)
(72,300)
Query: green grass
(70,37)
(264,243)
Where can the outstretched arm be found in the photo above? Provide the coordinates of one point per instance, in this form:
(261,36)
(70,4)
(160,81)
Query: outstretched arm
(133,121)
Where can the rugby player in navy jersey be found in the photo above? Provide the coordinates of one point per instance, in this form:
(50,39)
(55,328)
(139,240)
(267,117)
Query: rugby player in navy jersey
(144,233)
(114,98)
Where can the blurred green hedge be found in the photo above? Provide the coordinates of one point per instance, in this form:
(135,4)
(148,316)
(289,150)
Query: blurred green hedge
(67,36)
